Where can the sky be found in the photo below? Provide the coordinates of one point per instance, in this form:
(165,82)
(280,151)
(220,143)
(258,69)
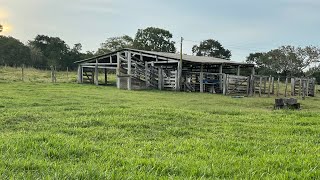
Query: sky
(242,26)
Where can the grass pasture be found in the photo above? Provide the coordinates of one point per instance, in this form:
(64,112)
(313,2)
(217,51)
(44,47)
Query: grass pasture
(72,131)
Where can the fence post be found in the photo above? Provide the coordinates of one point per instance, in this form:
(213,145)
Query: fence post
(55,74)
(304,90)
(67,74)
(272,85)
(293,82)
(269,87)
(278,86)
(52,74)
(308,83)
(225,84)
(285,92)
(260,86)
(22,72)
(300,87)
(251,85)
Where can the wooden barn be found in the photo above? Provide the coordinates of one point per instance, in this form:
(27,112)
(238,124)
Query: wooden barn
(138,69)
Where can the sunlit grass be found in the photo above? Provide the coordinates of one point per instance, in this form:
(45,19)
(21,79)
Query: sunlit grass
(73,131)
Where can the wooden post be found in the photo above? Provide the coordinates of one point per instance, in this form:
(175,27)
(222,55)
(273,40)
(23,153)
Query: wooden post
(252,88)
(293,86)
(272,85)
(176,80)
(52,74)
(96,74)
(278,86)
(118,70)
(105,77)
(260,86)
(55,74)
(265,85)
(225,84)
(67,74)
(221,76)
(22,72)
(253,71)
(304,89)
(254,85)
(248,85)
(178,83)
(238,70)
(201,78)
(286,89)
(79,74)
(300,87)
(146,74)
(308,83)
(160,78)
(269,87)
(129,71)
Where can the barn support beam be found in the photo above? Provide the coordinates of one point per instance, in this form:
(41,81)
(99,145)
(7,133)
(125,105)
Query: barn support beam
(160,78)
(80,74)
(118,70)
(129,71)
(178,85)
(221,76)
(96,74)
(105,77)
(238,70)
(225,84)
(201,78)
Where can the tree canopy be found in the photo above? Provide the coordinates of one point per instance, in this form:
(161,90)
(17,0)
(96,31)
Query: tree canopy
(54,51)
(13,52)
(286,60)
(1,28)
(115,43)
(154,39)
(211,48)
(41,52)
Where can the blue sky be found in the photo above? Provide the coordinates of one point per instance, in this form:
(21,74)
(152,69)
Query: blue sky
(243,26)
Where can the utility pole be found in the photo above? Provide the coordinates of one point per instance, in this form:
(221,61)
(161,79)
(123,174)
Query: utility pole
(180,67)
(181,51)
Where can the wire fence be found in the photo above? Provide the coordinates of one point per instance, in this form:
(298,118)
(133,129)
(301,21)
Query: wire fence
(42,74)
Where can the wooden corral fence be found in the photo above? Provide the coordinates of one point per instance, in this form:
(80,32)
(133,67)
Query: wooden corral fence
(236,85)
(262,85)
(203,82)
(267,86)
(137,69)
(303,87)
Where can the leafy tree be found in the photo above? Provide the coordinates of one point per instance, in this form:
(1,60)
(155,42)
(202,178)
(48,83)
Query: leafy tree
(1,28)
(88,54)
(54,49)
(13,52)
(211,48)
(154,39)
(114,44)
(286,60)
(37,57)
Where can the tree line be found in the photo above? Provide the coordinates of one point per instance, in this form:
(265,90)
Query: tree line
(288,61)
(44,51)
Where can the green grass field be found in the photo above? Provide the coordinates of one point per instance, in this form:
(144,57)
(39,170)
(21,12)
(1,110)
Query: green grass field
(72,131)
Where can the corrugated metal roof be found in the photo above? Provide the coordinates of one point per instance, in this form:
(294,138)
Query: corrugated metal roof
(175,56)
